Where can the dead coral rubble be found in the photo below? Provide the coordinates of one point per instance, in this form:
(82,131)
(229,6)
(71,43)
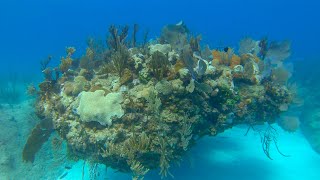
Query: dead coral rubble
(170,96)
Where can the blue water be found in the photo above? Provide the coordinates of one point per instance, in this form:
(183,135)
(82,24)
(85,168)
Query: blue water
(32,30)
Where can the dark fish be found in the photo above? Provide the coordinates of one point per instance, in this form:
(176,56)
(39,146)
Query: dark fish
(188,61)
(68,167)
(203,87)
(13,119)
(64,175)
(202,67)
(226,49)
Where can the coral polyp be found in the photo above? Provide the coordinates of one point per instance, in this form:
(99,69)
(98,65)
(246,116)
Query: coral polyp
(143,107)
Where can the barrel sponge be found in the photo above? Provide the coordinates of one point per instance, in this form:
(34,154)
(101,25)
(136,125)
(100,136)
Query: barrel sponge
(94,106)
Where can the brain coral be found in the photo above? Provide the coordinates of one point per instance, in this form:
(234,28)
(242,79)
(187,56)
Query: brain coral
(94,106)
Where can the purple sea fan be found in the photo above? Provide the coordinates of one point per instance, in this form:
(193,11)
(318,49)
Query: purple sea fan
(248,45)
(278,52)
(289,123)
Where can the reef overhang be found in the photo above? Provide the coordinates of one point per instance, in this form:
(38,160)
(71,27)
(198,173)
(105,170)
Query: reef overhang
(136,107)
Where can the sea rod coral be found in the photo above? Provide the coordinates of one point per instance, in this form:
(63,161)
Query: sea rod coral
(144,108)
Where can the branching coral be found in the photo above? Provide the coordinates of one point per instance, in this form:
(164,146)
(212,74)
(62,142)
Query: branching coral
(66,62)
(145,39)
(164,158)
(154,103)
(116,40)
(134,36)
(186,133)
(138,170)
(132,148)
(120,59)
(267,137)
(159,65)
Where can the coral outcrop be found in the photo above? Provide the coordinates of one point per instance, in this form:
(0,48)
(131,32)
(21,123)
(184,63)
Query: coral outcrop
(144,108)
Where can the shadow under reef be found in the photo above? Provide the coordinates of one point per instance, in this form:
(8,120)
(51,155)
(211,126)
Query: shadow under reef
(222,157)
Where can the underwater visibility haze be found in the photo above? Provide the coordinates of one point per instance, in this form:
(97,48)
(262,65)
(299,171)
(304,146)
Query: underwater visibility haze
(159,89)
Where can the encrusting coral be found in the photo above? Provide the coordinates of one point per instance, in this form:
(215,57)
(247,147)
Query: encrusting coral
(144,109)
(95,106)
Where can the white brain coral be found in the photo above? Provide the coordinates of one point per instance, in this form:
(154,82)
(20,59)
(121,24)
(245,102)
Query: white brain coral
(94,106)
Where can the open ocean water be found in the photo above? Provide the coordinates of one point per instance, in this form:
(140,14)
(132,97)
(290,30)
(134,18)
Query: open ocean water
(31,31)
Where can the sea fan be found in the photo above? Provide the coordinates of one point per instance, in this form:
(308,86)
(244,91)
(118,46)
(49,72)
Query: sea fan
(289,123)
(248,45)
(278,52)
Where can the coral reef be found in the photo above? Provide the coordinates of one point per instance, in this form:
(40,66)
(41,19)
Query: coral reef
(144,109)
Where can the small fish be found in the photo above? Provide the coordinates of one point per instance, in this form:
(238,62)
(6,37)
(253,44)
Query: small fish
(230,118)
(180,23)
(64,175)
(202,67)
(13,119)
(68,167)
